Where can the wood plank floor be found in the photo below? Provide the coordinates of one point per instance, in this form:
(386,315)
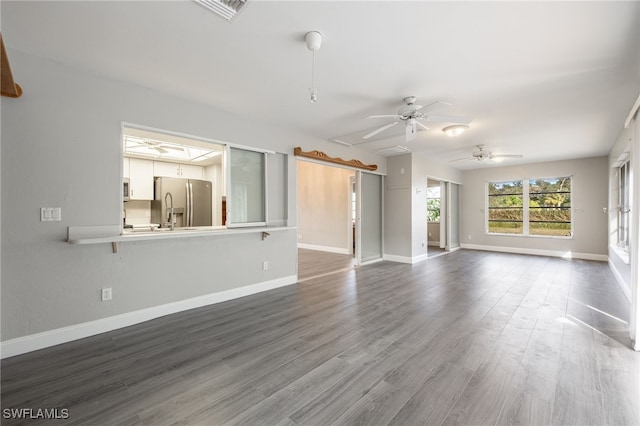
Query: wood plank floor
(470,338)
(315,263)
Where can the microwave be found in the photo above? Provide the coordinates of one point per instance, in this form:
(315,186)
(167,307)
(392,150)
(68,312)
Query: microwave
(125,189)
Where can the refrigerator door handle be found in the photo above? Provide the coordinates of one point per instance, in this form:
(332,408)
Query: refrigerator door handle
(191,204)
(188,206)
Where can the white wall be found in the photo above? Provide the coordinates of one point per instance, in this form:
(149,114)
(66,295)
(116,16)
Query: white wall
(397,217)
(324,210)
(61,147)
(422,169)
(590,192)
(406,185)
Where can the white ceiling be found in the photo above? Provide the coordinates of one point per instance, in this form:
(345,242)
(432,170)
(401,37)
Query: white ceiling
(549,80)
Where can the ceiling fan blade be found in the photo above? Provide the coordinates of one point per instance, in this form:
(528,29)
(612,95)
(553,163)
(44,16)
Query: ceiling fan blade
(461,159)
(160,149)
(506,155)
(434,104)
(384,116)
(422,125)
(175,148)
(381,129)
(456,119)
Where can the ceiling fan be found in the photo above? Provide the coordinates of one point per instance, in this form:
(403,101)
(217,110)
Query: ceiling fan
(413,115)
(480,155)
(159,146)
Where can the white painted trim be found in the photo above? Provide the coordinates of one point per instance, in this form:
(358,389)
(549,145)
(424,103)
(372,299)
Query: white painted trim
(632,113)
(620,280)
(33,342)
(405,259)
(433,243)
(338,250)
(538,252)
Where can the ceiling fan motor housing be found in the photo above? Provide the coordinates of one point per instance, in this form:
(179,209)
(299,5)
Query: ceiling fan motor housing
(410,109)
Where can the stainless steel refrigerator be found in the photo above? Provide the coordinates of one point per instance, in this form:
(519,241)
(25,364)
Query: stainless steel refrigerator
(191,202)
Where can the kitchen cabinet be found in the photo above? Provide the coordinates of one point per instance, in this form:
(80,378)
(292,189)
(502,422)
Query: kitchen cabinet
(186,171)
(140,179)
(125,167)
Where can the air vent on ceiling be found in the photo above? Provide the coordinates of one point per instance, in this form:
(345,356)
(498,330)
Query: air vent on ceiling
(225,8)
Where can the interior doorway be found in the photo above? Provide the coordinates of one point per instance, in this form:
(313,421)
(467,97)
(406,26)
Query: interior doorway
(326,219)
(443,216)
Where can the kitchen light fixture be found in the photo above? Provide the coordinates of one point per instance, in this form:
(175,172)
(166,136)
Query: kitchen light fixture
(455,130)
(156,149)
(314,40)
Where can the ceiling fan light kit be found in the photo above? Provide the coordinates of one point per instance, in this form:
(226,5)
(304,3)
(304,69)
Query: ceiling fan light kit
(455,130)
(480,155)
(314,41)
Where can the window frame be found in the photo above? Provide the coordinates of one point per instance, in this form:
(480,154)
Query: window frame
(623,205)
(229,186)
(570,208)
(526,229)
(524,207)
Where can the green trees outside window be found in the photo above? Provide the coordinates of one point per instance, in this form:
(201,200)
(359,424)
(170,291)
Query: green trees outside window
(433,204)
(505,207)
(547,212)
(550,207)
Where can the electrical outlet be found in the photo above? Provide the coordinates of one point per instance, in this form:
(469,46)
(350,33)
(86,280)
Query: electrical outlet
(265,265)
(107,294)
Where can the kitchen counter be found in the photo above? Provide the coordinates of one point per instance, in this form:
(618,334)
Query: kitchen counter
(105,234)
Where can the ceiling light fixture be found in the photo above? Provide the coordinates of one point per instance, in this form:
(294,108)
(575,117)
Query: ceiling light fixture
(314,41)
(455,130)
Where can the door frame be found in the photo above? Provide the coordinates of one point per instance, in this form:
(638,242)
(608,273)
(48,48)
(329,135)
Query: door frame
(445,213)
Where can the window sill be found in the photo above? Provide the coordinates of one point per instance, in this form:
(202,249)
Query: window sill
(552,237)
(622,254)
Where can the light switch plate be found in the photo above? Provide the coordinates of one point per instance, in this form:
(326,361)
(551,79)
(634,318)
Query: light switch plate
(50,214)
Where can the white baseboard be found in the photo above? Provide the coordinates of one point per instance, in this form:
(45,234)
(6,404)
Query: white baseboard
(33,342)
(433,243)
(538,252)
(405,259)
(338,250)
(620,280)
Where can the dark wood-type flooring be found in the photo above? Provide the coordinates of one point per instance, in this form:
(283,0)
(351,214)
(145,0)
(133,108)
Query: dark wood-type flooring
(470,338)
(315,263)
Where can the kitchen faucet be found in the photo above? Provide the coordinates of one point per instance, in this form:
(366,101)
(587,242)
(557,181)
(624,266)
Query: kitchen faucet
(169,209)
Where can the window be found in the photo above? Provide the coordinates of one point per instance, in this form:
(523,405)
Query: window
(547,212)
(433,203)
(236,181)
(505,207)
(550,207)
(246,204)
(623,205)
